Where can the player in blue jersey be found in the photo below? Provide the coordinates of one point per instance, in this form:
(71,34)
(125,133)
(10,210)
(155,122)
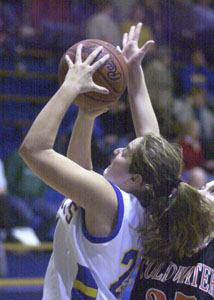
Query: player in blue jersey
(98,238)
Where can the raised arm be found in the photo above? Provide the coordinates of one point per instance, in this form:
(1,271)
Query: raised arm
(143,115)
(84,187)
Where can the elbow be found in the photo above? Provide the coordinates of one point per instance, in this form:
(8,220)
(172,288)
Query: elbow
(24,150)
(31,153)
(28,154)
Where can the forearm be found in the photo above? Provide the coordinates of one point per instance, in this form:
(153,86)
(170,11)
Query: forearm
(43,132)
(143,115)
(59,172)
(79,149)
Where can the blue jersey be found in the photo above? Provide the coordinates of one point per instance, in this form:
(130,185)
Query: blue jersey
(193,279)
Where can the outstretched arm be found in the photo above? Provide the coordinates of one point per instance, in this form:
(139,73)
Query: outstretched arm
(84,187)
(143,115)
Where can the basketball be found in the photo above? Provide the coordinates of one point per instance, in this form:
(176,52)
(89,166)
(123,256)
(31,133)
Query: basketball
(113,74)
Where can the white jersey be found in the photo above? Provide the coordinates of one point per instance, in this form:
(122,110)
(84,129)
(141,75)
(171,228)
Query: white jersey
(86,267)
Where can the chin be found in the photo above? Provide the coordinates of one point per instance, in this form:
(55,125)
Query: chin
(105,174)
(108,176)
(106,171)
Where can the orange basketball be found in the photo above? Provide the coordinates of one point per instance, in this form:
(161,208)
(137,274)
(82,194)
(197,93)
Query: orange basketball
(113,74)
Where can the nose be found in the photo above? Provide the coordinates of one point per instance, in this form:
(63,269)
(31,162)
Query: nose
(202,192)
(117,151)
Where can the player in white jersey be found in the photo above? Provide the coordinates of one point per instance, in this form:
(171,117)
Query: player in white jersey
(95,253)
(98,235)
(84,266)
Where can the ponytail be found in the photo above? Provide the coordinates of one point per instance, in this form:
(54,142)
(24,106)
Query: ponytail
(178,218)
(177,224)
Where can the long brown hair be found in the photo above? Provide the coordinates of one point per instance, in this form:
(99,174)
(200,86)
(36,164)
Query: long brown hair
(177,218)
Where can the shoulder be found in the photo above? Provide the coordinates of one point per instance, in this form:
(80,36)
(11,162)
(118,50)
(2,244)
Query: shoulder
(133,211)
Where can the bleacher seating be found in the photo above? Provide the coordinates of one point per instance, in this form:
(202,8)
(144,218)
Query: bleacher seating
(27,266)
(26,270)
(22,95)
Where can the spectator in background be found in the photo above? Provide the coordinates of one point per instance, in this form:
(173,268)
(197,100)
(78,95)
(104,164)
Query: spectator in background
(192,148)
(209,4)
(194,107)
(197,177)
(195,165)
(117,127)
(187,26)
(85,8)
(179,29)
(99,154)
(102,26)
(52,25)
(10,229)
(203,15)
(203,10)
(9,27)
(27,198)
(197,73)
(124,7)
(155,11)
(137,14)
(159,82)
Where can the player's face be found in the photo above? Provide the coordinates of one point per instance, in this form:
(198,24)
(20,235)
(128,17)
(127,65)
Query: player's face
(208,191)
(118,171)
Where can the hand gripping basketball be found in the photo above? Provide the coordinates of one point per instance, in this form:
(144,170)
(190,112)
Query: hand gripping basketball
(112,74)
(80,73)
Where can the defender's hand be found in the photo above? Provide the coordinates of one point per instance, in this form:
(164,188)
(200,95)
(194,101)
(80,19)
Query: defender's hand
(134,55)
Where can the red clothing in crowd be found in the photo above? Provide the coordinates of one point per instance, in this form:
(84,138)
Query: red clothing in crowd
(53,10)
(192,152)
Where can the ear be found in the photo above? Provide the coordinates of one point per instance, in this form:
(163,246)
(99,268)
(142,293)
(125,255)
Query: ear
(136,179)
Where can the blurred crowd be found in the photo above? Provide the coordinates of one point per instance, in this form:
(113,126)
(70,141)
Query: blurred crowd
(179,73)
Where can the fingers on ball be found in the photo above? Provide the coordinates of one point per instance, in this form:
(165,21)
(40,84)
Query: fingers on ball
(69,61)
(100,62)
(93,55)
(78,57)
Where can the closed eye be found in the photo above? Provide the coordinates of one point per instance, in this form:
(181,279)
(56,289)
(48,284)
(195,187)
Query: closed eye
(203,187)
(124,152)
